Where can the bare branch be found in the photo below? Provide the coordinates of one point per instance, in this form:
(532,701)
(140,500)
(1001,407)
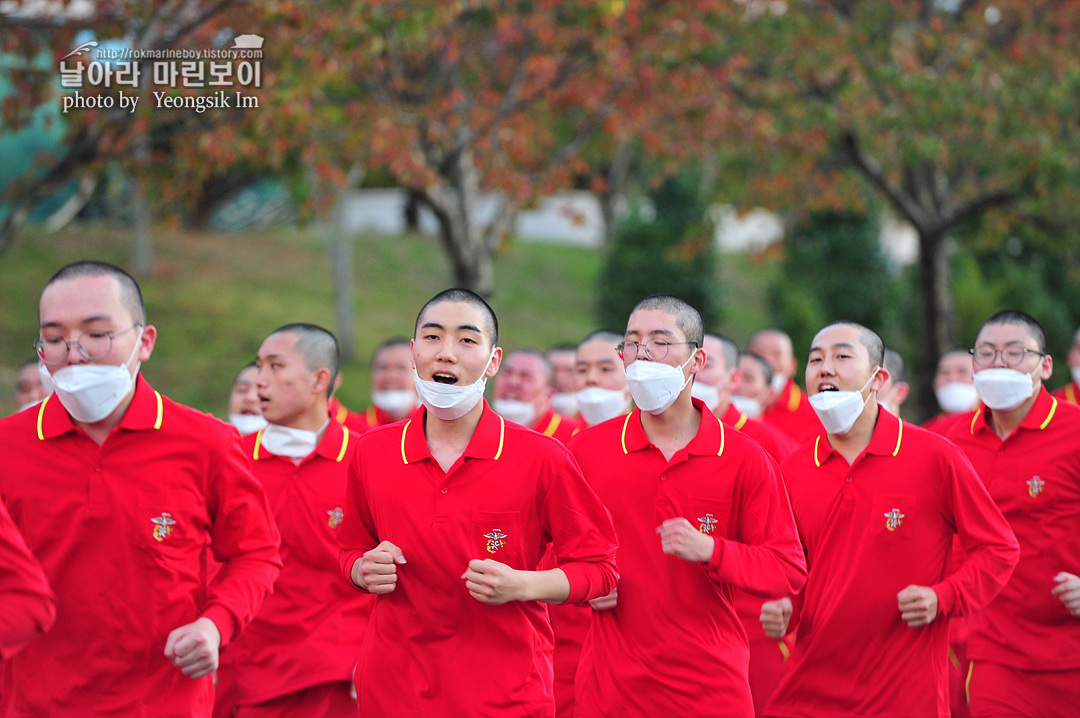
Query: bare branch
(873,171)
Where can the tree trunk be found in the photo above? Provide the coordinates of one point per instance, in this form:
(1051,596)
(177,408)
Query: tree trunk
(142,248)
(454,201)
(940,324)
(340,251)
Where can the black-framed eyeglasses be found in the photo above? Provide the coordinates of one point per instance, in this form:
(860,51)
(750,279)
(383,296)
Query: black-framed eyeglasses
(1012,355)
(92,345)
(656,350)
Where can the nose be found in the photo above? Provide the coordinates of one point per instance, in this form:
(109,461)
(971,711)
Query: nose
(74,354)
(999,359)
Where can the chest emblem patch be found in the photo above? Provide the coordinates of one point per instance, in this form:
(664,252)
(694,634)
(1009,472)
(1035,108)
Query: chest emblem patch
(707,523)
(163,525)
(335,515)
(894,519)
(1035,486)
(495,540)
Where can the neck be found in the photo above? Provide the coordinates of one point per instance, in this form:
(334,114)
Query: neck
(1004,423)
(314,418)
(98,431)
(447,440)
(673,428)
(853,443)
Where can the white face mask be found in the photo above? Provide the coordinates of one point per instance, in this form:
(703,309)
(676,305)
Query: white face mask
(1075,373)
(957,396)
(90,392)
(748,406)
(290,442)
(519,412)
(450,401)
(565,404)
(1004,389)
(838,410)
(394,402)
(709,394)
(598,405)
(654,385)
(778,382)
(247,423)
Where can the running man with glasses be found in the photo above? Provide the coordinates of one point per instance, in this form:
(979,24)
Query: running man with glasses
(700,510)
(119,491)
(1025,645)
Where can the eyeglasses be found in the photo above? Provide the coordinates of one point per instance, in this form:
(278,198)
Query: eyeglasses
(1012,356)
(93,346)
(656,350)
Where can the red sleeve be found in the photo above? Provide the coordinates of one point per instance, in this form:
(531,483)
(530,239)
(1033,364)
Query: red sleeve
(582,535)
(357,533)
(766,558)
(244,539)
(989,544)
(27,605)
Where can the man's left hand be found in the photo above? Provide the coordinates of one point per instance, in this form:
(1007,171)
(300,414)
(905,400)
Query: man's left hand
(193,648)
(492,582)
(679,538)
(1068,590)
(918,605)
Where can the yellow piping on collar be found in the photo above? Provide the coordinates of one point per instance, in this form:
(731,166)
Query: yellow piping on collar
(160,411)
(743,418)
(1049,416)
(344,444)
(625,423)
(816,442)
(899,436)
(41,415)
(974,419)
(502,437)
(258,443)
(404,431)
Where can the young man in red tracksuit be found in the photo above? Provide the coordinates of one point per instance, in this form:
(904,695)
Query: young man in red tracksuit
(119,493)
(1024,647)
(297,656)
(701,512)
(878,502)
(446,520)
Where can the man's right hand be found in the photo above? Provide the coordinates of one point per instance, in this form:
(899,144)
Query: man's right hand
(605,603)
(775,616)
(376,571)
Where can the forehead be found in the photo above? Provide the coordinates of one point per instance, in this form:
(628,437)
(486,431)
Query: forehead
(840,334)
(1004,333)
(750,367)
(452,315)
(247,374)
(769,343)
(524,363)
(29,372)
(279,345)
(397,354)
(597,350)
(561,356)
(714,350)
(74,300)
(650,321)
(953,362)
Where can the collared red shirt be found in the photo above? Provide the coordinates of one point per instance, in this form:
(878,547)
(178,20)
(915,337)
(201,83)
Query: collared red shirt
(121,530)
(1034,477)
(871,529)
(792,414)
(28,602)
(1069,393)
(776,443)
(556,425)
(673,644)
(942,423)
(430,647)
(309,629)
(357,421)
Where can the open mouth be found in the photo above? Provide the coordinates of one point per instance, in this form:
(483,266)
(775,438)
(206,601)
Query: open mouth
(828,387)
(444,378)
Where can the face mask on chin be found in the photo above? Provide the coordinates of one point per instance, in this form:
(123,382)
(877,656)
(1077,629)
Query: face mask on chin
(654,385)
(247,423)
(1004,389)
(394,402)
(450,401)
(289,442)
(778,382)
(1075,374)
(707,393)
(597,405)
(90,392)
(838,410)
(564,403)
(956,397)
(519,412)
(748,406)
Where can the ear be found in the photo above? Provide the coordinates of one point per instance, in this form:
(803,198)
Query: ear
(495,363)
(1047,367)
(734,381)
(147,341)
(700,357)
(879,380)
(322,382)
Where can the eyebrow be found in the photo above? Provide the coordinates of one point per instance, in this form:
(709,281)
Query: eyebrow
(87,320)
(837,345)
(466,327)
